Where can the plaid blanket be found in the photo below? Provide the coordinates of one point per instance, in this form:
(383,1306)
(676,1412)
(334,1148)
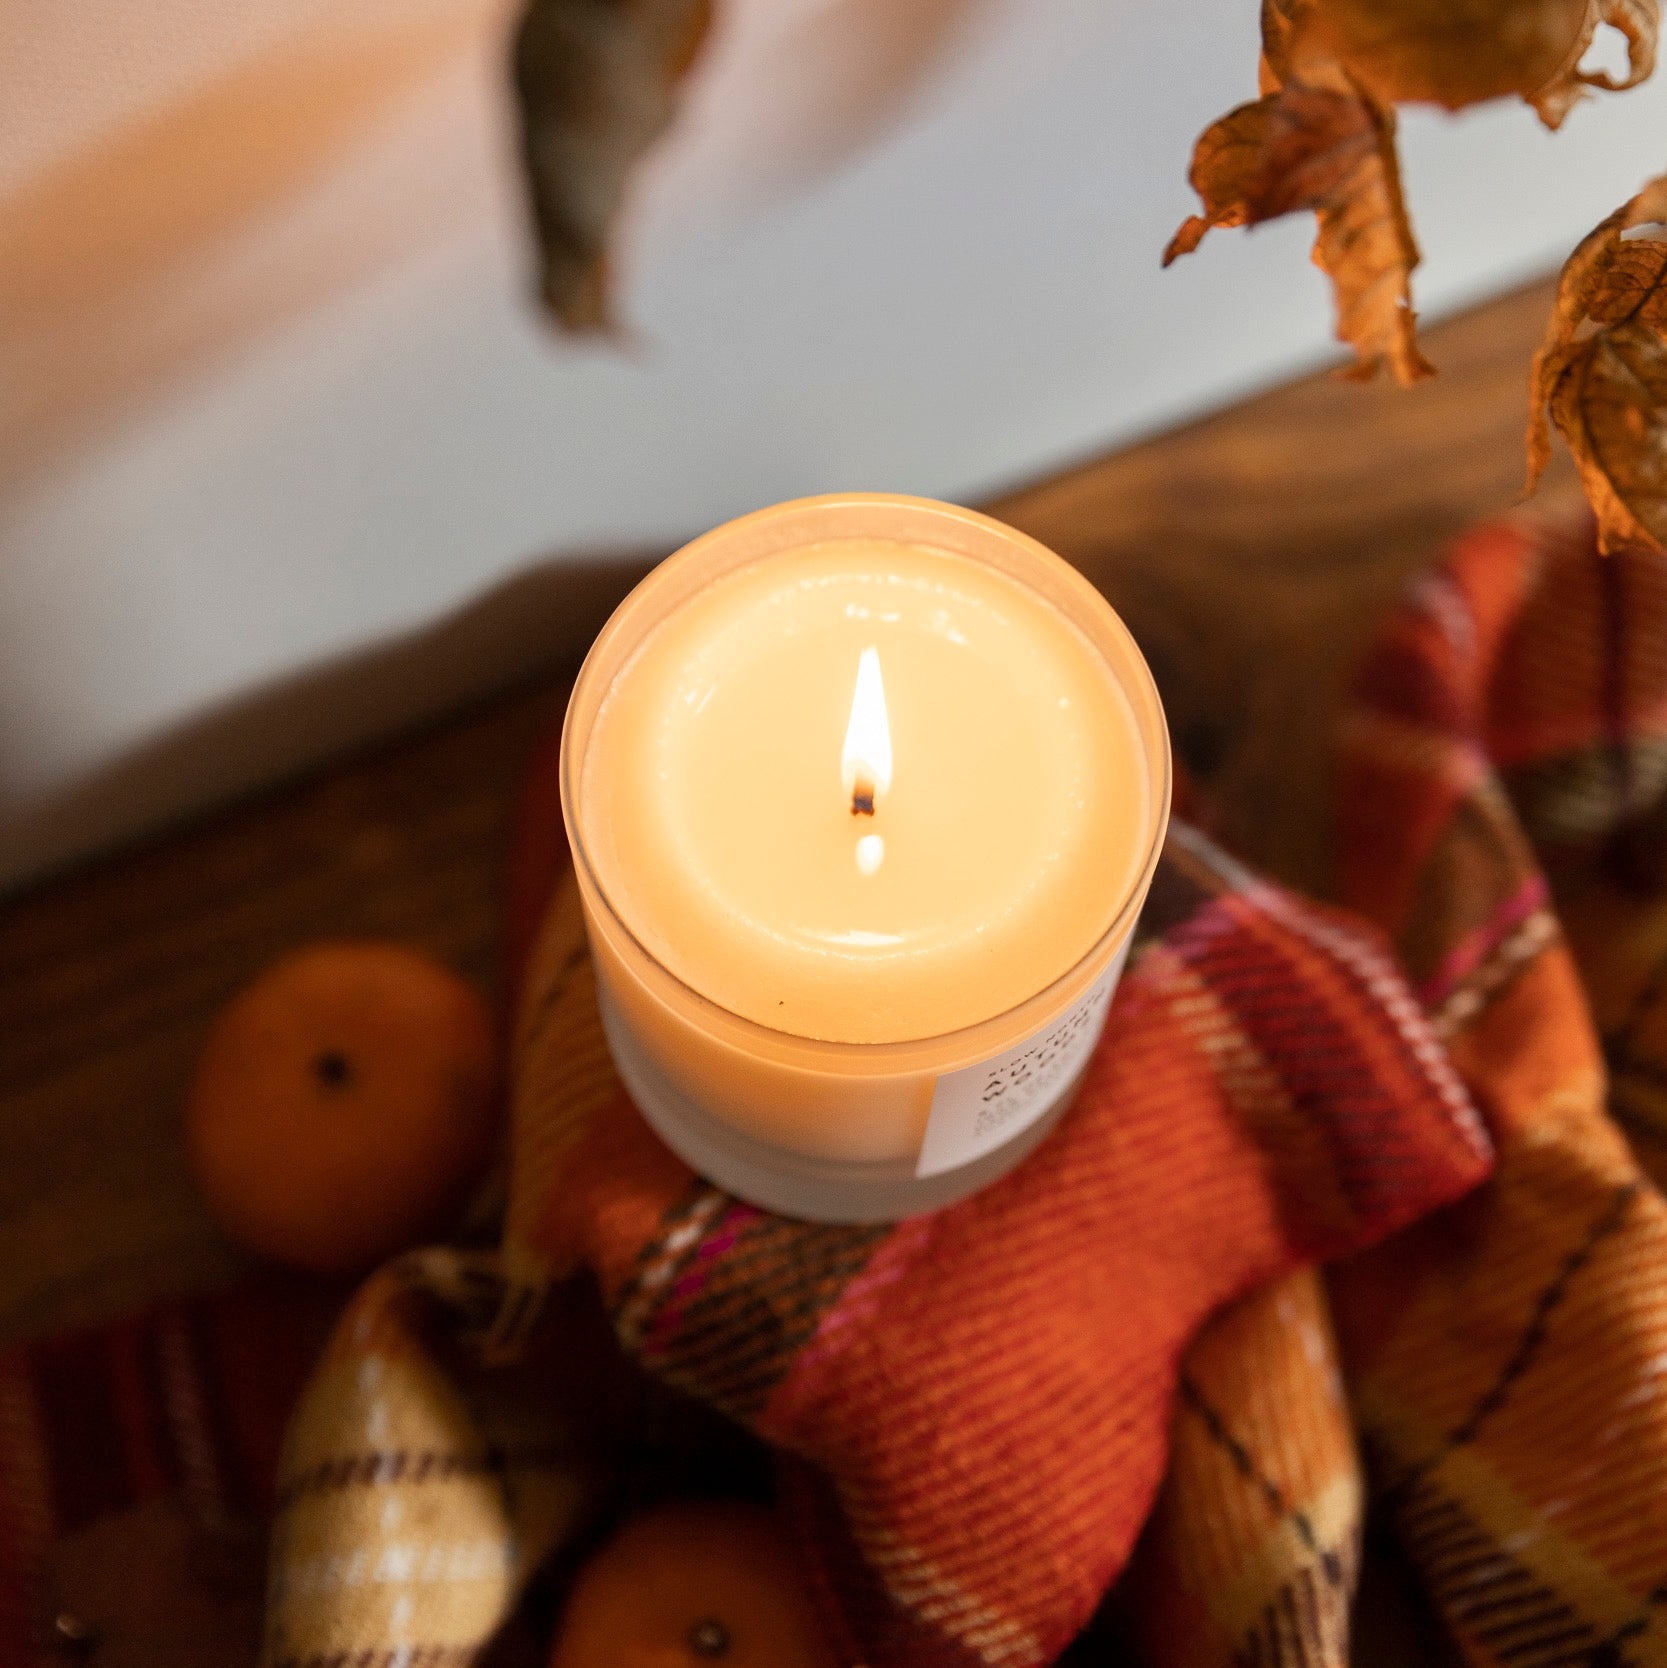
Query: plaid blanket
(976,1412)
(137,1462)
(1508,1362)
(1339,1233)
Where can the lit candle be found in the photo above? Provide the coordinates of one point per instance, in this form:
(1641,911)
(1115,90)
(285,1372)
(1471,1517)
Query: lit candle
(865,793)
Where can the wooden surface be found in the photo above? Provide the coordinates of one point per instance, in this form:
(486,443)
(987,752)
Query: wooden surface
(1251,552)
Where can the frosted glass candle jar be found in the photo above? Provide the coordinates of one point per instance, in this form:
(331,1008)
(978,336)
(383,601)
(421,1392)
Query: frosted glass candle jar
(864,795)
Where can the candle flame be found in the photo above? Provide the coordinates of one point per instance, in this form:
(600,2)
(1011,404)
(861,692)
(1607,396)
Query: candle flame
(866,761)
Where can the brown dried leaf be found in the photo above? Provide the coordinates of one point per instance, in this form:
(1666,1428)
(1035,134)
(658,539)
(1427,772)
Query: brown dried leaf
(1280,28)
(1601,374)
(1332,151)
(1298,45)
(597,84)
(1638,20)
(1456,53)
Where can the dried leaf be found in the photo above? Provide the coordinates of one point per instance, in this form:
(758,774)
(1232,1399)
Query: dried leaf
(1457,53)
(1322,134)
(597,84)
(1601,374)
(1281,33)
(1332,151)
(1462,52)
(1638,20)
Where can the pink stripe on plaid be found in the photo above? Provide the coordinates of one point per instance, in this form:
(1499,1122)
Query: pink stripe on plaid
(1476,947)
(807,1378)
(693,1280)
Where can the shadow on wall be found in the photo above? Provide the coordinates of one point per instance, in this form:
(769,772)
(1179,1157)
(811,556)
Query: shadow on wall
(158,248)
(538,623)
(827,88)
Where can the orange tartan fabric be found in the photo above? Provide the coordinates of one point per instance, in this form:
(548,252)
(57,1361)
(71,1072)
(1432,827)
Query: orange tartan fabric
(1252,1553)
(1267,1095)
(972,1407)
(1508,1363)
(1505,1361)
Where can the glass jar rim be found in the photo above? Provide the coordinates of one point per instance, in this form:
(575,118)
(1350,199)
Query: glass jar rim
(796,524)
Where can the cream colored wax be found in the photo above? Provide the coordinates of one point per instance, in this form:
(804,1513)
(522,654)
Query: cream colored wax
(726,791)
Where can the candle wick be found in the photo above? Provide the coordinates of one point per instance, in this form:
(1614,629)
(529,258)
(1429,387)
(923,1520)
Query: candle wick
(862,799)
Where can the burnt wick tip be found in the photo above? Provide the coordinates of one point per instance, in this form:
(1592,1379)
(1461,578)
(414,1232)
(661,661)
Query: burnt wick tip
(862,802)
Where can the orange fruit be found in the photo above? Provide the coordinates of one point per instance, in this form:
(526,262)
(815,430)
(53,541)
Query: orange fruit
(343,1105)
(684,1585)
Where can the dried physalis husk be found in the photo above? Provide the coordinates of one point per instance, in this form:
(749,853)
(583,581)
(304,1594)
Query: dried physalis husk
(1601,374)
(1639,21)
(1461,52)
(597,82)
(1322,135)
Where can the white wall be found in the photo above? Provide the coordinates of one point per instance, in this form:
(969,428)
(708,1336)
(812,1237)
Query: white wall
(275,392)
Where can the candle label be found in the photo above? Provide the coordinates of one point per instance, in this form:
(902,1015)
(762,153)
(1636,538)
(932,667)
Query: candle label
(976,1110)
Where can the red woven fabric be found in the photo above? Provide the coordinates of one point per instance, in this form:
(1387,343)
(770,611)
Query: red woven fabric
(186,1404)
(1508,1360)
(973,1406)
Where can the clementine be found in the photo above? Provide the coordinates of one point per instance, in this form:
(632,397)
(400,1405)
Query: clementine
(343,1105)
(688,1584)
